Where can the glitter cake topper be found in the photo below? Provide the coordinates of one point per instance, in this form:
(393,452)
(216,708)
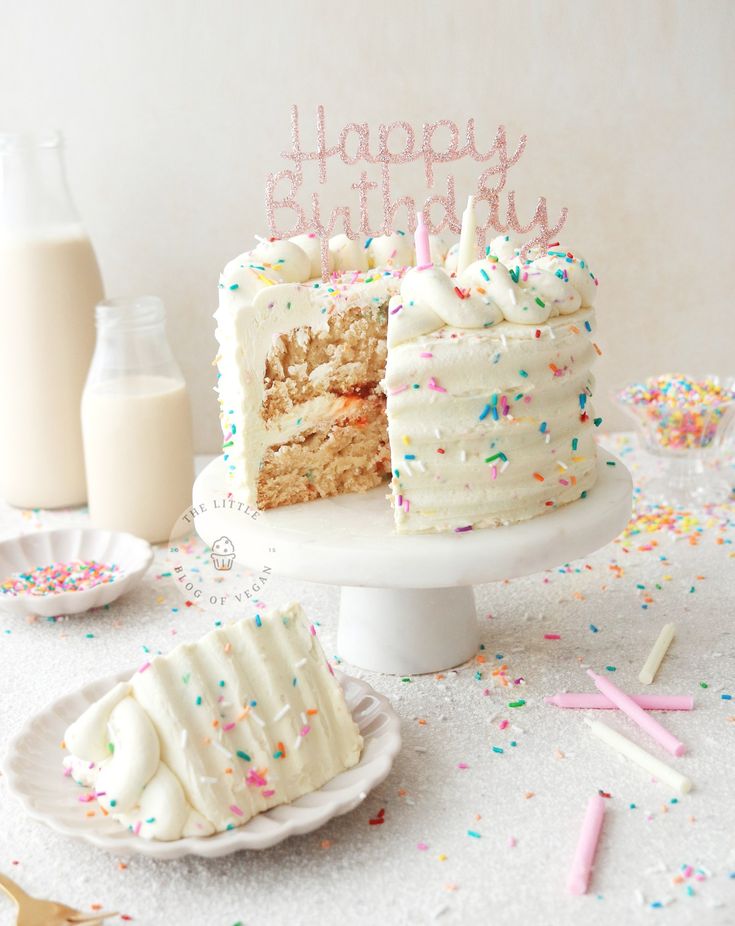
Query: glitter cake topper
(311,222)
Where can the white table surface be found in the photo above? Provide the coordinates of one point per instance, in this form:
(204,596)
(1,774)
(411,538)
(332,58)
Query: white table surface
(420,865)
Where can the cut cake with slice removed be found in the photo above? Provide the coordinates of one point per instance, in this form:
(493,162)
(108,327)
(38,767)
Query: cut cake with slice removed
(473,390)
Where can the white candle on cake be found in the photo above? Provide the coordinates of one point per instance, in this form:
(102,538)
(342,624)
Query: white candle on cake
(467,253)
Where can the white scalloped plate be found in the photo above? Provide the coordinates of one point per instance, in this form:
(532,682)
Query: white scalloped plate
(33,766)
(131,554)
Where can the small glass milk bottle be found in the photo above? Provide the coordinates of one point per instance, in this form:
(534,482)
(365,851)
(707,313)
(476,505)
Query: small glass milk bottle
(136,422)
(49,286)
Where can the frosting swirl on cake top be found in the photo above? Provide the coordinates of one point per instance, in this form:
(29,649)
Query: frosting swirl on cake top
(502,286)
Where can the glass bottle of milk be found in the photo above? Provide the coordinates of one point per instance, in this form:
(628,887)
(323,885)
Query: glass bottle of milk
(136,422)
(49,286)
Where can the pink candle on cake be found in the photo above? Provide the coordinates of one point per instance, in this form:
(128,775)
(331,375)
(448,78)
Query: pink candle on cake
(421,238)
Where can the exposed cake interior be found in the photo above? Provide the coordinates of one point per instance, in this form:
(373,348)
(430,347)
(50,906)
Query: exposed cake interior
(324,409)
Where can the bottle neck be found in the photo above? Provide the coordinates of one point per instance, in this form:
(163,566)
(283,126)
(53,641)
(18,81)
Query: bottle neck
(131,343)
(34,195)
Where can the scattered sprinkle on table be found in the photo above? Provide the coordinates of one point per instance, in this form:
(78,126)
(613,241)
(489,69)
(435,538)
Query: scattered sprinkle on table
(378,819)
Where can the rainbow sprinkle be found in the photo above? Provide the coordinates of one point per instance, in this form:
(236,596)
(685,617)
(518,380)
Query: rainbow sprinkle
(679,412)
(56,578)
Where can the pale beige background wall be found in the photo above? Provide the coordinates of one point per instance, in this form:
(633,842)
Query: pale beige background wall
(175,111)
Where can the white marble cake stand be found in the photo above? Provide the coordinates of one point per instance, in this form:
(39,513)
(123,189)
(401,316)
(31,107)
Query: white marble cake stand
(407,604)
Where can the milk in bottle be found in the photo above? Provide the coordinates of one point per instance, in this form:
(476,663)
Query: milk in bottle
(137,423)
(49,285)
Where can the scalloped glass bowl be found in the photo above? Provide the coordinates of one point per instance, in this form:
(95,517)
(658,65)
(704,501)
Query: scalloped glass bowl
(684,424)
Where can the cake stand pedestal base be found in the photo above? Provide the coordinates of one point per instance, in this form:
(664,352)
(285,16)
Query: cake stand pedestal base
(407,600)
(407,631)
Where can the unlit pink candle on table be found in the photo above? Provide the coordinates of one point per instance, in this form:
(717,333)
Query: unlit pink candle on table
(636,713)
(584,854)
(596,701)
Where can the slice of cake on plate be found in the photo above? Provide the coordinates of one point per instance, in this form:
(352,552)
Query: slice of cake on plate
(202,739)
(471,392)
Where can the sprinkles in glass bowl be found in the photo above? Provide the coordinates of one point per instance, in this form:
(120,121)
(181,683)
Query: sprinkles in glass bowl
(678,412)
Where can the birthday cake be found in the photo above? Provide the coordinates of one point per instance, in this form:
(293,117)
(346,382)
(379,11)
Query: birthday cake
(469,389)
(201,740)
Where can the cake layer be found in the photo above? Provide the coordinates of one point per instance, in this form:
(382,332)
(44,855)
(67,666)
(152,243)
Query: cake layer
(200,740)
(321,412)
(347,357)
(348,455)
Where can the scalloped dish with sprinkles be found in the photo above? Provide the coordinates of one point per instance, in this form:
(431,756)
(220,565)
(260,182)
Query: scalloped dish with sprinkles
(57,578)
(201,740)
(467,390)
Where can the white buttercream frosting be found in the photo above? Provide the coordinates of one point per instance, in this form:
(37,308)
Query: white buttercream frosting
(429,299)
(489,427)
(394,250)
(348,253)
(288,260)
(200,740)
(311,246)
(525,292)
(488,381)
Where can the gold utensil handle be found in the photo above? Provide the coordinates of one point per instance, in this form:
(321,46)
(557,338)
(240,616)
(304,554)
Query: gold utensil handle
(12,889)
(84,919)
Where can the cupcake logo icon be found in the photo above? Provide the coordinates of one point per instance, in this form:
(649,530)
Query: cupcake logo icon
(223,554)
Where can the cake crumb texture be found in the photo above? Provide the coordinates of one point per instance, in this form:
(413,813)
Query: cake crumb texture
(348,455)
(346,358)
